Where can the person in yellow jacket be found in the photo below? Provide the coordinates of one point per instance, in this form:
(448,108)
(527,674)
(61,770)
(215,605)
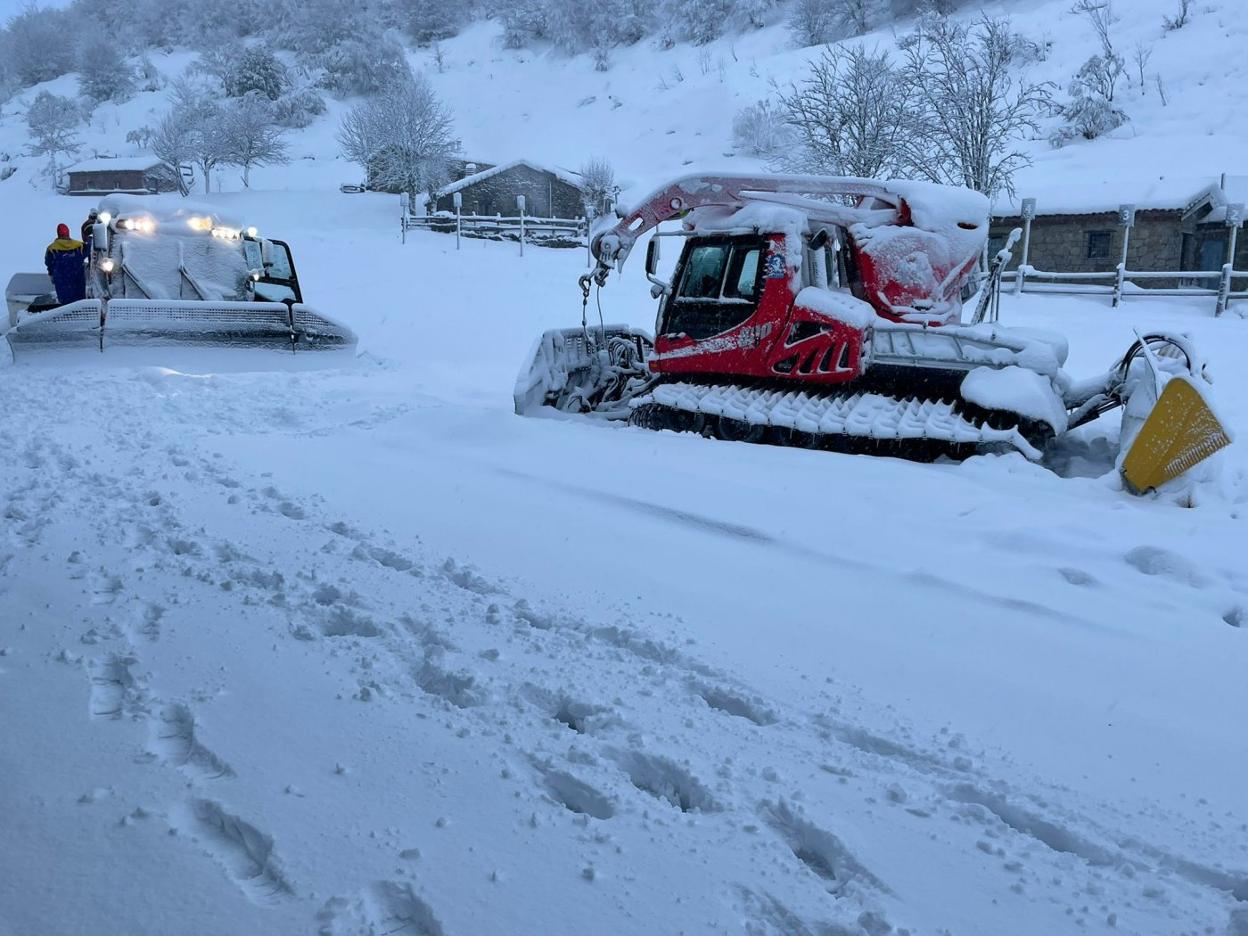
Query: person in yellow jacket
(64,259)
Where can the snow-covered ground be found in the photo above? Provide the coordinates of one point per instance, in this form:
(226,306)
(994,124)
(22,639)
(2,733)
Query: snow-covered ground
(356,650)
(353,649)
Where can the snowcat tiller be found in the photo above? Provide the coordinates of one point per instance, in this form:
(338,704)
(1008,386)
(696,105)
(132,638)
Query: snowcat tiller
(827,313)
(172,278)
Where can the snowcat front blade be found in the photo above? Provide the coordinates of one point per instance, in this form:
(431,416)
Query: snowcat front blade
(1180,432)
(573,369)
(155,323)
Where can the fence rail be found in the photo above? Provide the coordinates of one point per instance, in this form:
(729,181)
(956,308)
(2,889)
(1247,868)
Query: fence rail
(521,227)
(1120,283)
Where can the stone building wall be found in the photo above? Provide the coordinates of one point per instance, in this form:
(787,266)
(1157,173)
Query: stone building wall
(545,194)
(1060,243)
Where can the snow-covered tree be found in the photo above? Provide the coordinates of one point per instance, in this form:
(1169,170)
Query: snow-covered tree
(402,138)
(850,115)
(598,185)
(523,21)
(52,121)
(251,136)
(103,74)
(258,71)
(971,110)
(812,22)
(38,45)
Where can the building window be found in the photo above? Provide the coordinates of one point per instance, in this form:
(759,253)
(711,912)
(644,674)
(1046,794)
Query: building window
(1099,244)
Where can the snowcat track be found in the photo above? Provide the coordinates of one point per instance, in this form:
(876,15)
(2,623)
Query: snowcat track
(853,421)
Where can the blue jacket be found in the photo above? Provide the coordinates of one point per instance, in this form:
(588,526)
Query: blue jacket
(64,259)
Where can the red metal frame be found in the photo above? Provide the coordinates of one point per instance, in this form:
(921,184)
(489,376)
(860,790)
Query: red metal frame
(905,274)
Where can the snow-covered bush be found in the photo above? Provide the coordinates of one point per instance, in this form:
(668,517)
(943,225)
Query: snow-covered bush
(364,65)
(52,121)
(1180,18)
(402,138)
(103,74)
(848,116)
(257,70)
(427,21)
(760,129)
(298,109)
(149,76)
(1091,111)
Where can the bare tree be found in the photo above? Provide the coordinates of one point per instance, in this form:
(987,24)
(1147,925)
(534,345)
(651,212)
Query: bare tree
(52,121)
(848,116)
(970,111)
(598,185)
(1140,55)
(198,121)
(251,137)
(403,138)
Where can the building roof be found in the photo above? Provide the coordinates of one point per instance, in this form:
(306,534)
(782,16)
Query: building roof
(1174,193)
(473,179)
(117,164)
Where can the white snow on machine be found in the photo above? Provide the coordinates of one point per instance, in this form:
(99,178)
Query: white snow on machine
(828,313)
(159,274)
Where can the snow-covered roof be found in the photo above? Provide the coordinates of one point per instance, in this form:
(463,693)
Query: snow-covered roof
(1178,193)
(473,179)
(117,164)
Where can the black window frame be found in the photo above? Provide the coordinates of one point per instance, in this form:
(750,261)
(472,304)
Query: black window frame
(703,317)
(1094,237)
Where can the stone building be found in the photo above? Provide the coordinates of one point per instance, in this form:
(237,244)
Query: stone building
(548,193)
(133,175)
(1179,225)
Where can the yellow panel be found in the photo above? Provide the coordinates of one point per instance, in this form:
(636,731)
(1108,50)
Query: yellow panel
(1179,433)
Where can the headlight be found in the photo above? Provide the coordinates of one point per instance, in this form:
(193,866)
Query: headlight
(107,265)
(105,217)
(252,232)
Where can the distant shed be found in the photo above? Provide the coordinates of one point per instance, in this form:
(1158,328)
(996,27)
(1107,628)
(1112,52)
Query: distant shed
(129,175)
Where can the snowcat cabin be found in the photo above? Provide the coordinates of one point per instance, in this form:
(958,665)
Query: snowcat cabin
(717,286)
(278,282)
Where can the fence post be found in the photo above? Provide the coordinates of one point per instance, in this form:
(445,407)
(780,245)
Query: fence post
(1126,218)
(457,199)
(1029,212)
(1121,270)
(1224,290)
(1234,219)
(403,216)
(520,205)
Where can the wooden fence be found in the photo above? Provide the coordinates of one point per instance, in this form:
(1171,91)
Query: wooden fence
(554,232)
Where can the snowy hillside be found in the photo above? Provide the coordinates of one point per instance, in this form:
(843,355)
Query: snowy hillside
(658,112)
(340,645)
